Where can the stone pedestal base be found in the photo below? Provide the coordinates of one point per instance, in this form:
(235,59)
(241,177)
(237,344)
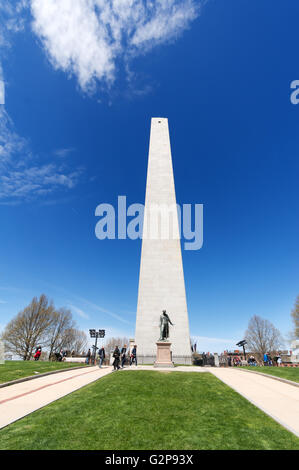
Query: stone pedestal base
(163,354)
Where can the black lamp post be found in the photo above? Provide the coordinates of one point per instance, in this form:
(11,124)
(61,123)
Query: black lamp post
(242,343)
(96,334)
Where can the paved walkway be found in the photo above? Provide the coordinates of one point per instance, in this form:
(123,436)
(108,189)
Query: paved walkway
(277,399)
(19,400)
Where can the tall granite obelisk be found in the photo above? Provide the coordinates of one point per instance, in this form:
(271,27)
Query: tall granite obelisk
(161,279)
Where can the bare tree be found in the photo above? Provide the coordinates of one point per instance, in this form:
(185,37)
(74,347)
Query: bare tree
(112,342)
(295,318)
(62,323)
(75,340)
(80,341)
(29,328)
(262,336)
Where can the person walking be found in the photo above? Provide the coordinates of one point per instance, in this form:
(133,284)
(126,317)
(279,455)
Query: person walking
(123,355)
(279,361)
(101,356)
(116,355)
(134,355)
(88,356)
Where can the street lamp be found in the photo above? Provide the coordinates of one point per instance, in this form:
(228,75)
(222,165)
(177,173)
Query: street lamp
(242,343)
(96,334)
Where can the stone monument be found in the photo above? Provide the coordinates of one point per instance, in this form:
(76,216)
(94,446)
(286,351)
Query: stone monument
(161,279)
(164,358)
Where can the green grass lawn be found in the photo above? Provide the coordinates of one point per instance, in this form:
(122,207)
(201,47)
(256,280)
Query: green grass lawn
(289,373)
(13,370)
(149,410)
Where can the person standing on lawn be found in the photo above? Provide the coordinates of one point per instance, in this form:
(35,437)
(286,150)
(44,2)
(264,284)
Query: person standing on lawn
(265,359)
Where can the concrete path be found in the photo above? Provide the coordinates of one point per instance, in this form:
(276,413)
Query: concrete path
(17,401)
(278,399)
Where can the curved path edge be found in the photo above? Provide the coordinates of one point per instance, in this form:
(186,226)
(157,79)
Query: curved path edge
(24,398)
(44,374)
(275,377)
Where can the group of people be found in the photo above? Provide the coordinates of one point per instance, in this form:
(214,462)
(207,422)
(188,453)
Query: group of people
(60,356)
(251,361)
(268,361)
(120,357)
(234,361)
(101,355)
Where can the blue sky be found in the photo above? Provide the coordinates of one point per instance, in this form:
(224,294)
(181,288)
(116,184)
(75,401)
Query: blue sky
(81,85)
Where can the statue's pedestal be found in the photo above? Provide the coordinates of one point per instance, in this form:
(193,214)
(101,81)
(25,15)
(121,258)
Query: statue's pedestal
(163,354)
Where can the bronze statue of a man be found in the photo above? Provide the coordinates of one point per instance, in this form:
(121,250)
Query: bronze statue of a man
(164,326)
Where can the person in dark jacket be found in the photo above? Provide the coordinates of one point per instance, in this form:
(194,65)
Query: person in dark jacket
(134,355)
(88,356)
(116,356)
(101,356)
(123,355)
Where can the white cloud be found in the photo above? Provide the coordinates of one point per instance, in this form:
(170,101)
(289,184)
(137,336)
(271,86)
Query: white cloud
(63,152)
(103,310)
(85,38)
(22,177)
(2,86)
(79,312)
